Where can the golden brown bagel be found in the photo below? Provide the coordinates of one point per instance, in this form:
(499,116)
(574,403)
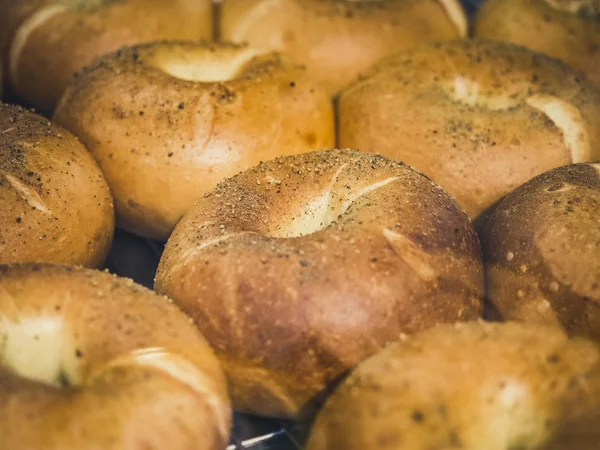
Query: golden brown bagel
(50,40)
(168,121)
(475,386)
(566,29)
(89,360)
(337,39)
(55,205)
(480,118)
(299,268)
(542,251)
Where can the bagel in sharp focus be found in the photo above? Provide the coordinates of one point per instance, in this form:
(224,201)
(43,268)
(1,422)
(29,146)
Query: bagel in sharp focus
(476,386)
(89,360)
(542,249)
(55,205)
(480,118)
(337,39)
(566,29)
(168,121)
(50,40)
(299,268)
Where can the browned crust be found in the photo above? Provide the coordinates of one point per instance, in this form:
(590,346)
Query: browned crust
(116,402)
(54,201)
(337,39)
(541,247)
(289,316)
(163,142)
(573,36)
(482,143)
(476,386)
(43,66)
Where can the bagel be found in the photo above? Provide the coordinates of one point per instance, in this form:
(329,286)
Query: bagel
(89,360)
(480,118)
(565,29)
(55,205)
(50,40)
(541,246)
(168,121)
(337,39)
(297,269)
(471,387)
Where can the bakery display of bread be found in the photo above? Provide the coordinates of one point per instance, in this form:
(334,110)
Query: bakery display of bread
(474,386)
(566,29)
(167,121)
(337,39)
(55,205)
(478,117)
(90,360)
(50,40)
(297,269)
(542,251)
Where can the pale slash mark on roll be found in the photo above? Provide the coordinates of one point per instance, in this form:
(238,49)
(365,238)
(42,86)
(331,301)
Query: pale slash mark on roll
(589,7)
(8,130)
(566,117)
(242,27)
(176,367)
(410,253)
(27,193)
(22,34)
(456,15)
(596,166)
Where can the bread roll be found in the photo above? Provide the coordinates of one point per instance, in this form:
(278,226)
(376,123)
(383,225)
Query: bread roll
(480,118)
(541,247)
(337,39)
(55,205)
(93,361)
(474,387)
(301,267)
(565,29)
(50,40)
(168,121)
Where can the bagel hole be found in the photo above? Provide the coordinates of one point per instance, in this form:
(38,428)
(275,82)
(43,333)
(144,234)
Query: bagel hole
(322,211)
(37,349)
(202,66)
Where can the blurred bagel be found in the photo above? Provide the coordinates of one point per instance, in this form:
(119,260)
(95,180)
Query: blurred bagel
(168,121)
(55,205)
(50,40)
(337,39)
(565,29)
(89,360)
(471,387)
(542,251)
(478,117)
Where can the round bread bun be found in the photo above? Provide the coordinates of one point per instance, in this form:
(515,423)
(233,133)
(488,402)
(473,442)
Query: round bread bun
(337,39)
(89,360)
(55,205)
(299,268)
(565,29)
(50,40)
(480,118)
(168,121)
(470,387)
(542,251)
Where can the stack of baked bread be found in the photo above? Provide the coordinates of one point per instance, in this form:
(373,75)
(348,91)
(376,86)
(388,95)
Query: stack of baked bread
(434,283)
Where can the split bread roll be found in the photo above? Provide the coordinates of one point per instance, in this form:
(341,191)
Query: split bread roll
(50,40)
(566,29)
(299,268)
(480,118)
(476,386)
(337,39)
(89,360)
(55,205)
(542,251)
(168,121)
